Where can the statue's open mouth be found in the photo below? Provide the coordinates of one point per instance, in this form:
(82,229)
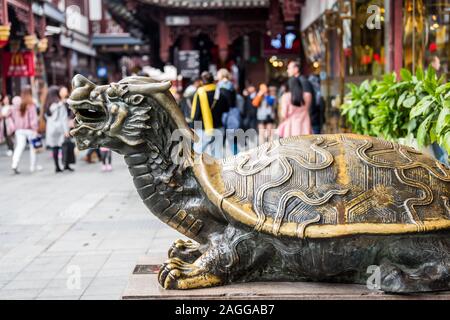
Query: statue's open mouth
(88,113)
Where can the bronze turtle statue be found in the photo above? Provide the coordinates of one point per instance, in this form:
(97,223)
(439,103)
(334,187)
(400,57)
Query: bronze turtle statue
(325,208)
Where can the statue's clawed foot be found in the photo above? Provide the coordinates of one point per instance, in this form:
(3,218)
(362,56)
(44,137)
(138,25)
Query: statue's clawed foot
(177,274)
(185,250)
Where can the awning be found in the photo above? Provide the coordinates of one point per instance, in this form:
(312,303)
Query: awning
(312,10)
(115,40)
(77,45)
(210,4)
(49,11)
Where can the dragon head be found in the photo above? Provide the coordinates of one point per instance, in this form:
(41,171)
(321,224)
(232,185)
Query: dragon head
(133,112)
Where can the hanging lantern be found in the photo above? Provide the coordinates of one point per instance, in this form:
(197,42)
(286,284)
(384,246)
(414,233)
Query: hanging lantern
(42,45)
(30,41)
(5,31)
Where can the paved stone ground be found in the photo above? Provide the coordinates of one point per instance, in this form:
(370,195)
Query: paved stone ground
(87,223)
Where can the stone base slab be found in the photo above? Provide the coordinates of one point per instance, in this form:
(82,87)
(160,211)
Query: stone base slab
(143,284)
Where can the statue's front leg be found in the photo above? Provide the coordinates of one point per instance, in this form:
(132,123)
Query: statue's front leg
(187,251)
(178,274)
(229,256)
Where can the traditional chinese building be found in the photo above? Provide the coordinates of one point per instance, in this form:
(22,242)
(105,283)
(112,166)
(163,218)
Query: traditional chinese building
(21,30)
(233,33)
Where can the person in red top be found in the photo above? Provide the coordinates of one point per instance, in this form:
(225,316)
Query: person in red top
(25,120)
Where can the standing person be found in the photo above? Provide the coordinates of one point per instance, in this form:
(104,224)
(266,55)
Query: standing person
(204,110)
(25,120)
(68,147)
(106,155)
(249,118)
(302,93)
(188,96)
(225,100)
(6,125)
(294,119)
(57,125)
(317,111)
(265,114)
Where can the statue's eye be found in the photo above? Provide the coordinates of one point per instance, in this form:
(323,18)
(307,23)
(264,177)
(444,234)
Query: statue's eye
(111,92)
(136,99)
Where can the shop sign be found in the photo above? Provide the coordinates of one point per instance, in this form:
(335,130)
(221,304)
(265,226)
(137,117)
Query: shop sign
(178,21)
(19,64)
(189,63)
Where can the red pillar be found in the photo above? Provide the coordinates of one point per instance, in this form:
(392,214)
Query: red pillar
(4,10)
(222,40)
(164,43)
(31,27)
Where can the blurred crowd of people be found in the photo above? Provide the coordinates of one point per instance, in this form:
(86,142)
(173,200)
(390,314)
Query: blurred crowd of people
(42,125)
(212,104)
(217,104)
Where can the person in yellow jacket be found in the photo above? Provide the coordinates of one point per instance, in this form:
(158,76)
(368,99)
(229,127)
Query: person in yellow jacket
(202,103)
(207,109)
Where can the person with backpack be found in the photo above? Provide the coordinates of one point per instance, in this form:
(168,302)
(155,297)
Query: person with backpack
(294,119)
(225,98)
(208,111)
(25,118)
(57,125)
(302,92)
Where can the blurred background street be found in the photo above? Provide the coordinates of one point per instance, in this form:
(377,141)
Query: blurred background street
(52,225)
(269,68)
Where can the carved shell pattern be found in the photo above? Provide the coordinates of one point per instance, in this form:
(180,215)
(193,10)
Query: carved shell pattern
(351,182)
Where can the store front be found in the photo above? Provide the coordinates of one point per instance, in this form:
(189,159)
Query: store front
(426,34)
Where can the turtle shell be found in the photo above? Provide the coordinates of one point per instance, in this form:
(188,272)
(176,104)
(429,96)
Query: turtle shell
(323,186)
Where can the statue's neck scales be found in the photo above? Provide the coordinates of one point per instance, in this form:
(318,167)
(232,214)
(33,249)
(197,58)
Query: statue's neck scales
(155,181)
(161,187)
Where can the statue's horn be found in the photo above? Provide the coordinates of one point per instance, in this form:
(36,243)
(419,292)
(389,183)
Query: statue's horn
(149,88)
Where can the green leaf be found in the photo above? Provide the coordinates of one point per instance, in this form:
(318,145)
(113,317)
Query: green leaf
(422,132)
(406,75)
(412,125)
(419,74)
(408,103)
(443,120)
(446,142)
(421,108)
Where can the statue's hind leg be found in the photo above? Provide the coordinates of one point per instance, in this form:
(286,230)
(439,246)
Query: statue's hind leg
(229,257)
(430,276)
(417,264)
